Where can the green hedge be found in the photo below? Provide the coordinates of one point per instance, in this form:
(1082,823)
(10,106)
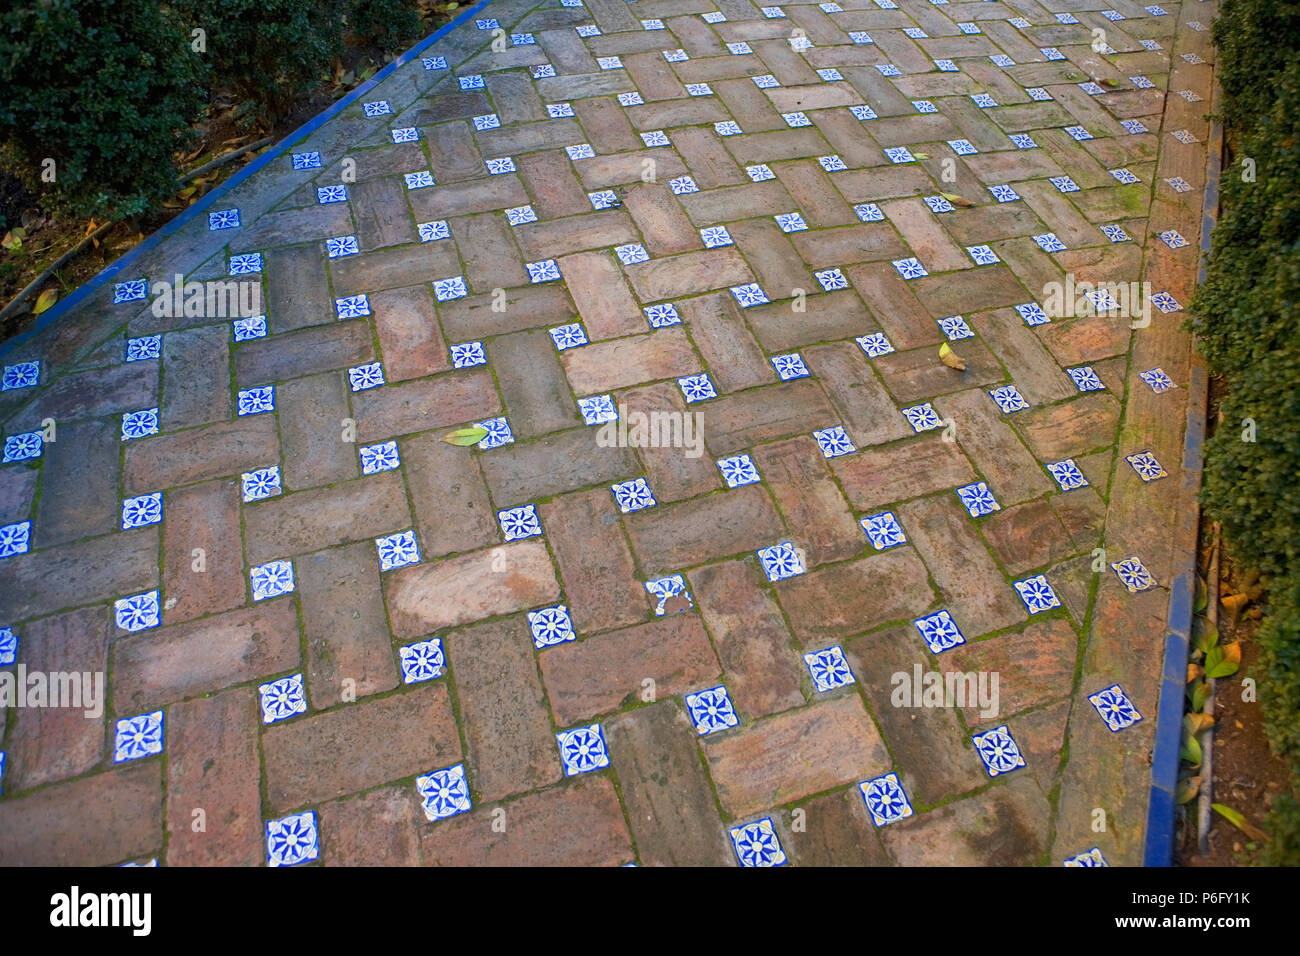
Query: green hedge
(1247,319)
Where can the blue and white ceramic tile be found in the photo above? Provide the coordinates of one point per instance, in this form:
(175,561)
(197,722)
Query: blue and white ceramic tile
(940,631)
(738,470)
(271,579)
(715,237)
(139,424)
(499,165)
(938,204)
(498,433)
(662,315)
(366,376)
(1133,575)
(1165,302)
(487,121)
(875,344)
(144,348)
(1067,474)
(282,699)
(655,137)
(377,108)
(983,255)
(8,646)
(447,289)
(683,185)
(1115,233)
(352,306)
(488,24)
(829,669)
(585,150)
(309,160)
(699,89)
(541,71)
(954,327)
(253,327)
(1004,193)
(142,510)
(550,626)
(653,24)
(1008,398)
(728,128)
(1022,141)
(15,538)
(1114,707)
(883,530)
(249,263)
(789,366)
(1171,239)
(869,212)
(1091,857)
(998,751)
(292,840)
(137,612)
(664,589)
(885,800)
(597,409)
(633,495)
(422,661)
(467,355)
(739,49)
(582,749)
(1032,313)
(675,56)
(133,290)
(796,119)
(518,523)
(773,13)
(790,222)
(520,215)
(756,844)
(137,737)
(760,173)
(781,561)
(1146,466)
(711,710)
(631,253)
(899,154)
(831,279)
(1049,242)
(983,100)
(922,417)
(443,793)
(1067,18)
(1038,94)
(1157,380)
(1085,379)
(474,81)
(431,231)
(381,457)
(834,442)
(609,63)
(910,268)
(1078,133)
(1037,594)
(977,499)
(1133,126)
(888,69)
(1151,45)
(23,447)
(254,401)
(946,66)
(862,111)
(962,147)
(223,219)
(697,388)
(969,29)
(833,163)
(568,336)
(406,134)
(397,550)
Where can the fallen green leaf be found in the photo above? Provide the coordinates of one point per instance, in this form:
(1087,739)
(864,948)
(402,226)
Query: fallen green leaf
(465,436)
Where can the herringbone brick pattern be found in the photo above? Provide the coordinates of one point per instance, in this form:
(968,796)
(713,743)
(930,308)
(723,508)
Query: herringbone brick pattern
(761,223)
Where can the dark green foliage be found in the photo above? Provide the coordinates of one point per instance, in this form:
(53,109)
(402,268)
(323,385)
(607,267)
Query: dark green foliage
(390,25)
(1247,319)
(106,88)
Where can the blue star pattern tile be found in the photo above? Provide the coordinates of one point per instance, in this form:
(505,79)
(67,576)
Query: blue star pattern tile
(144,348)
(983,255)
(1037,594)
(1038,94)
(1085,379)
(946,66)
(983,100)
(749,295)
(520,215)
(766,81)
(962,147)
(139,424)
(397,550)
(1004,193)
(422,661)
(715,236)
(711,710)
(863,112)
(738,470)
(954,327)
(282,699)
(940,631)
(223,219)
(8,646)
(380,457)
(1133,575)
(133,290)
(558,110)
(633,495)
(829,669)
(885,800)
(977,499)
(542,71)
(467,355)
(789,366)
(1115,233)
(924,106)
(271,579)
(376,108)
(406,134)
(655,137)
(1064,184)
(443,793)
(1032,313)
(832,164)
(938,204)
(352,306)
(1022,140)
(309,160)
(883,530)
(834,441)
(585,150)
(998,751)
(521,522)
(1048,242)
(662,315)
(1078,133)
(138,612)
(23,446)
(875,344)
(739,49)
(1146,466)
(869,212)
(432,231)
(922,417)
(631,253)
(888,69)
(781,561)
(1157,380)
(728,128)
(675,56)
(664,589)
(899,154)
(683,185)
(1165,302)
(1114,707)
(137,737)
(832,279)
(1008,398)
(1091,857)
(1133,126)
(582,749)
(697,388)
(292,840)
(15,538)
(500,165)
(487,121)
(790,222)
(254,401)
(597,409)
(142,510)
(756,844)
(1067,474)
(366,376)
(498,433)
(550,626)
(910,268)
(248,263)
(446,289)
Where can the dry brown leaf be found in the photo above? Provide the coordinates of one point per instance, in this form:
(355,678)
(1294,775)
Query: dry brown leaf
(950,358)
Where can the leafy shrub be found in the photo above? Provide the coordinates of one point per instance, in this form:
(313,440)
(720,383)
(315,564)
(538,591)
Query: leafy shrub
(108,90)
(1247,320)
(388,24)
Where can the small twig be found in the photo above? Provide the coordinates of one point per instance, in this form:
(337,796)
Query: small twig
(1206,796)
(220,160)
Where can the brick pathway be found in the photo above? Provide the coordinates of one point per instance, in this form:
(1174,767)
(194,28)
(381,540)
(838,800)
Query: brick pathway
(554,648)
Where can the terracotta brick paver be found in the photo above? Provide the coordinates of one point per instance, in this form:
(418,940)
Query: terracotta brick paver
(742,236)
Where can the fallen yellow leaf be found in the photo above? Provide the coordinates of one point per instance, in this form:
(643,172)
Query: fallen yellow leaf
(45,300)
(950,358)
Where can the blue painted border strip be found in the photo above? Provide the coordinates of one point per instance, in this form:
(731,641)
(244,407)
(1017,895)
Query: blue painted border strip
(1158,847)
(183,219)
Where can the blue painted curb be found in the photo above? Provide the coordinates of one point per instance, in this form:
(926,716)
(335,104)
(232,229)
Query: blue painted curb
(123,264)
